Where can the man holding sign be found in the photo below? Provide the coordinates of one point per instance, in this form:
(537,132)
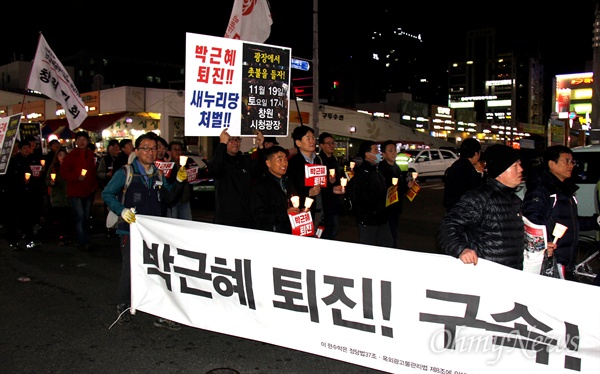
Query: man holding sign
(306,170)
(233,173)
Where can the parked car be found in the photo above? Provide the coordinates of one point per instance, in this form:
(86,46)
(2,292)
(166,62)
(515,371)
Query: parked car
(430,163)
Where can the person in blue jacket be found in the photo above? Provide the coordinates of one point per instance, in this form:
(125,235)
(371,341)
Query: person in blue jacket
(147,188)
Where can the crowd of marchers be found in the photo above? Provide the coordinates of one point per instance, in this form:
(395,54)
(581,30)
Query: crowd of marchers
(263,189)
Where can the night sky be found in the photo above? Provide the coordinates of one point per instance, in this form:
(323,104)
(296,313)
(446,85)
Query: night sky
(155,32)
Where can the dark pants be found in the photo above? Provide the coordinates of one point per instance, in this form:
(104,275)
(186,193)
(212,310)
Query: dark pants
(394,220)
(124,289)
(332,226)
(81,215)
(375,234)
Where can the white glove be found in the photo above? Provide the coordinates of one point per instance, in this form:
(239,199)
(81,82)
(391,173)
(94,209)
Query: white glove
(182,174)
(128,215)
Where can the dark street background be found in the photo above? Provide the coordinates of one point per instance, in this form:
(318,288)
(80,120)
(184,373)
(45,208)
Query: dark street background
(58,321)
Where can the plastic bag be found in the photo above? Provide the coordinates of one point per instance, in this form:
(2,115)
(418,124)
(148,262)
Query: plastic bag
(549,266)
(111,220)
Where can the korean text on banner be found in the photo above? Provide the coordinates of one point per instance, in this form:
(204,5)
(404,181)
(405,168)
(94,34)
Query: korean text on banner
(49,77)
(349,302)
(235,85)
(250,20)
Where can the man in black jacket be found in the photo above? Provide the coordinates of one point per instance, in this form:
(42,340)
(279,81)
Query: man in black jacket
(552,200)
(271,195)
(330,194)
(463,175)
(486,222)
(390,170)
(305,143)
(370,192)
(233,173)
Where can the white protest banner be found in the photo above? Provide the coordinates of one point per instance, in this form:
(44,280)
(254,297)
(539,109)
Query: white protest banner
(235,85)
(387,309)
(50,77)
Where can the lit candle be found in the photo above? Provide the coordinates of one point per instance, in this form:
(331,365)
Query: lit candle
(83,172)
(183,160)
(332,172)
(308,202)
(558,232)
(352,164)
(394,181)
(53,176)
(295,201)
(414,175)
(343,182)
(27,176)
(43,162)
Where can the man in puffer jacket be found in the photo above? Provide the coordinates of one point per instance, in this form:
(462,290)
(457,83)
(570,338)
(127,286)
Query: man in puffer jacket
(552,200)
(486,222)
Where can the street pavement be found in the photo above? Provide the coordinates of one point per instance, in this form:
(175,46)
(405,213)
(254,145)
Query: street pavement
(57,309)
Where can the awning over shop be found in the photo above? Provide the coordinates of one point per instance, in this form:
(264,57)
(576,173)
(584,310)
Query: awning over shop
(91,123)
(62,132)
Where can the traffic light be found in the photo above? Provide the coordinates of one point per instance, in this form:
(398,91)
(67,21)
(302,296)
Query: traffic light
(335,84)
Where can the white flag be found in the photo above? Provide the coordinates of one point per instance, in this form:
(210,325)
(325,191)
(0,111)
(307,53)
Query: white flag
(250,20)
(49,77)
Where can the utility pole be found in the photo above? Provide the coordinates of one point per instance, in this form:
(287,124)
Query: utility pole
(315,67)
(595,125)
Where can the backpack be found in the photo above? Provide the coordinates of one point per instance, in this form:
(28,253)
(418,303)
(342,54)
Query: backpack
(112,219)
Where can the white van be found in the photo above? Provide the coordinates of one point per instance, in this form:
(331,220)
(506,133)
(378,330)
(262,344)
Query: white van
(587,174)
(430,163)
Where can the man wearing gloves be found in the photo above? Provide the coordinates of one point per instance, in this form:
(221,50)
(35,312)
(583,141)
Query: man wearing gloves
(148,187)
(486,222)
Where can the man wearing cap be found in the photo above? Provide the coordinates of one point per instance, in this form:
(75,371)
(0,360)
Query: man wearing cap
(486,222)
(270,141)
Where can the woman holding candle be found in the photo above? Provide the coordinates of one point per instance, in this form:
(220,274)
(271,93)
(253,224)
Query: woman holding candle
(81,186)
(59,202)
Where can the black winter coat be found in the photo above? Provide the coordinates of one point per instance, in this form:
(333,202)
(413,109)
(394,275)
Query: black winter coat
(233,177)
(550,201)
(270,204)
(370,192)
(460,177)
(488,220)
